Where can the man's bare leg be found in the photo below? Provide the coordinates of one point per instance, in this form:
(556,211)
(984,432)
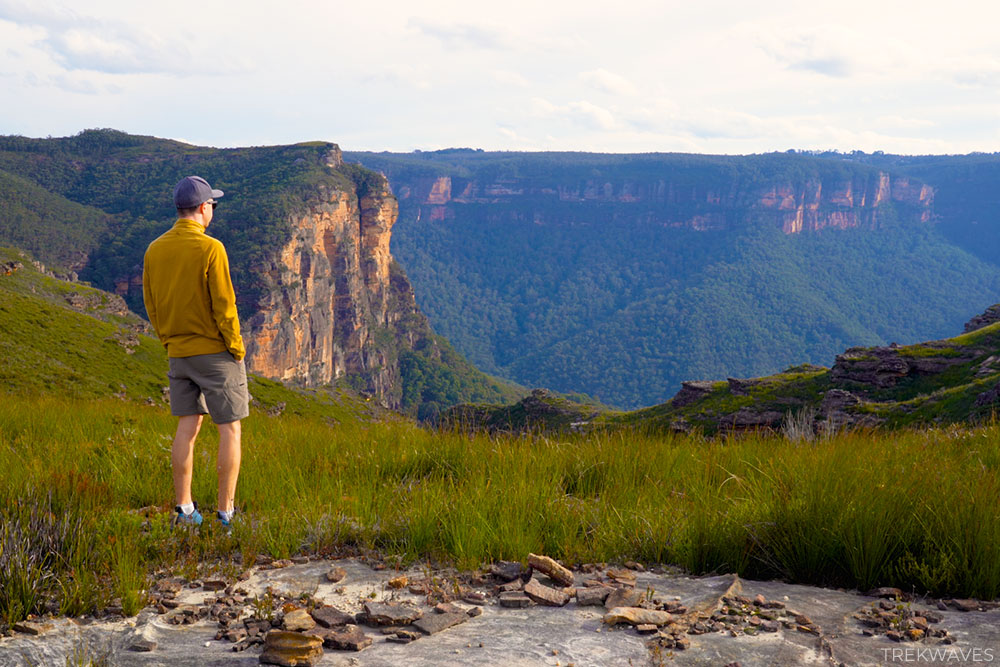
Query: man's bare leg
(228,463)
(182,456)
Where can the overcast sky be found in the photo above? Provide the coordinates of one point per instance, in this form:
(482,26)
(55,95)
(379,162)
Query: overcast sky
(712,76)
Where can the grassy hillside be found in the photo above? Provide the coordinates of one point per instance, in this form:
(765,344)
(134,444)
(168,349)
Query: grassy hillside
(60,338)
(948,381)
(85,488)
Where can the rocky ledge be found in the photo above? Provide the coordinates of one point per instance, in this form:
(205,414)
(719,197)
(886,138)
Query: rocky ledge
(316,612)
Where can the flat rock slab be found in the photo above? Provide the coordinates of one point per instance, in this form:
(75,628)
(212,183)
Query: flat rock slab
(331,617)
(545,595)
(347,638)
(526,637)
(432,624)
(393,613)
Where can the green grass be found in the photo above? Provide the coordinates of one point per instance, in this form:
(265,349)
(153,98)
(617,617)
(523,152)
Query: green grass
(914,509)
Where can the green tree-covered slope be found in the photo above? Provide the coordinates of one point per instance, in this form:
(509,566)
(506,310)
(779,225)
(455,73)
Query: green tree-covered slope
(600,296)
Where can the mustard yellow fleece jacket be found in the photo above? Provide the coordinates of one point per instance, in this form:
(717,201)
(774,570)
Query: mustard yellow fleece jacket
(189,294)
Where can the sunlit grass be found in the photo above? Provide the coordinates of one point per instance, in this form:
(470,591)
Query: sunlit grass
(914,509)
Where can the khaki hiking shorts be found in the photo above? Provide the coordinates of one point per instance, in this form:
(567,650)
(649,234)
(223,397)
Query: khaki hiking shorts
(209,383)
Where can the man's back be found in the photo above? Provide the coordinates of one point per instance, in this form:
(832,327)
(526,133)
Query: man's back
(188,293)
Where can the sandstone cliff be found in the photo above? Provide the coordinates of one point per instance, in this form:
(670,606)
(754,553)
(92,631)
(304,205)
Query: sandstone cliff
(811,204)
(329,293)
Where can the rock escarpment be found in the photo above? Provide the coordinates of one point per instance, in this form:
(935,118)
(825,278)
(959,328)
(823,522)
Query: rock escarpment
(811,203)
(330,291)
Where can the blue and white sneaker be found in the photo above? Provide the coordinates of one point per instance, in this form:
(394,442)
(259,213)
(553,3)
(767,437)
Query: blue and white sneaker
(226,524)
(182,519)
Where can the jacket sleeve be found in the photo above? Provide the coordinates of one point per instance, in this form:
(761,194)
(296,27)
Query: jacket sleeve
(147,299)
(220,288)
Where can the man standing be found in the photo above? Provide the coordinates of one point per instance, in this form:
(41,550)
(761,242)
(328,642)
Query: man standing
(191,304)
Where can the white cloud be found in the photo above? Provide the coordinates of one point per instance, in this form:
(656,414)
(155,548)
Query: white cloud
(510,78)
(608,82)
(461,35)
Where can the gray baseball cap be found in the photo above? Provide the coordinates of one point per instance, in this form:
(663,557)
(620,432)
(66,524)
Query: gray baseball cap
(194,191)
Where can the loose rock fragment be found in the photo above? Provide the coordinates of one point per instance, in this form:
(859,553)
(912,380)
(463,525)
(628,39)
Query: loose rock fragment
(545,595)
(506,570)
(637,616)
(551,569)
(336,574)
(434,623)
(592,595)
(398,582)
(143,645)
(290,649)
(624,597)
(32,627)
(331,617)
(514,599)
(393,613)
(347,638)
(298,620)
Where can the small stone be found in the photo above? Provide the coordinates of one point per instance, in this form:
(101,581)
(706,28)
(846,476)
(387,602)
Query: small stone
(894,635)
(214,585)
(447,608)
(637,616)
(506,570)
(281,564)
(290,649)
(622,576)
(409,634)
(754,620)
(632,565)
(331,617)
(347,638)
(434,623)
(623,597)
(645,628)
(475,597)
(169,587)
(169,603)
(551,569)
(933,616)
(545,595)
(919,622)
(298,620)
(143,645)
(475,611)
(915,634)
(236,635)
(770,626)
(592,595)
(418,588)
(811,629)
(515,600)
(398,582)
(392,613)
(300,560)
(802,619)
(759,600)
(396,639)
(965,605)
(336,575)
(516,585)
(682,643)
(887,592)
